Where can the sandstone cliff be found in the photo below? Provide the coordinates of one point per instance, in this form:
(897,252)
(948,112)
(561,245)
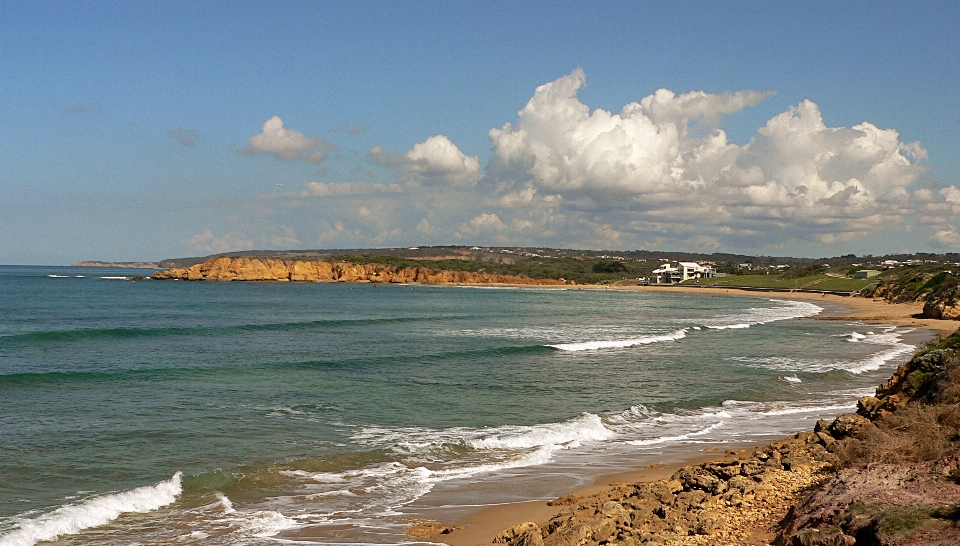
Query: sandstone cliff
(271,269)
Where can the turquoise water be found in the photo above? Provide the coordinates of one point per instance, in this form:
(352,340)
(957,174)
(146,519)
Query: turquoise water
(231,413)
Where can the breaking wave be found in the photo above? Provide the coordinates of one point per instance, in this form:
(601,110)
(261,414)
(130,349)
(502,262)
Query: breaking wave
(93,512)
(620,343)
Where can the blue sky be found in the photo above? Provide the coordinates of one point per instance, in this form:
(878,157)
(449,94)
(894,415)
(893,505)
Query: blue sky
(136,131)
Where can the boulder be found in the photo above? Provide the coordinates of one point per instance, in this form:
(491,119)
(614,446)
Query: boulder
(524,534)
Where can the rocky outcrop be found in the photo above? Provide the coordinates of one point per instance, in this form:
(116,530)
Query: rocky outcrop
(272,269)
(945,310)
(723,502)
(939,293)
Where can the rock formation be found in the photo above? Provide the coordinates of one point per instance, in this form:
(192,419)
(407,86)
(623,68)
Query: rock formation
(272,269)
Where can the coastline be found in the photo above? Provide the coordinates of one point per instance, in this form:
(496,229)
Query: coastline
(483,525)
(869,310)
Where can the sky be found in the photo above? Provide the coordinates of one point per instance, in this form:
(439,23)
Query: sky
(151,130)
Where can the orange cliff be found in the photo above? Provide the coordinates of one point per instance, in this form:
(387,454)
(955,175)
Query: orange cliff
(272,269)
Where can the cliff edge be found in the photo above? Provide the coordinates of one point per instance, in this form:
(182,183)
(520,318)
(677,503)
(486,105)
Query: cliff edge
(273,269)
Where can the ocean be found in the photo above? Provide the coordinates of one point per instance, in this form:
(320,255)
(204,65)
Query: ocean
(169,412)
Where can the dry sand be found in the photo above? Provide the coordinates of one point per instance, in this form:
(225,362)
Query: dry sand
(858,309)
(481,527)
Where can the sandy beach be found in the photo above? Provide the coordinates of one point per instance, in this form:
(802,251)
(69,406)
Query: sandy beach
(482,526)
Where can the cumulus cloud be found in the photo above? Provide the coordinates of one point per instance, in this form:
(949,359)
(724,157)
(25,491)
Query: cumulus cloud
(797,177)
(287,238)
(485,222)
(434,162)
(186,137)
(287,144)
(659,173)
(209,243)
(328,189)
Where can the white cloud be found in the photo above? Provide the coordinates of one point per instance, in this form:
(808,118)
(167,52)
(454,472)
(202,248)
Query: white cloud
(210,243)
(328,189)
(287,238)
(287,144)
(424,227)
(948,237)
(434,162)
(796,178)
(658,173)
(484,222)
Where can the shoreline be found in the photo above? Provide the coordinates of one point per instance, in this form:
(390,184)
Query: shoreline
(868,310)
(481,526)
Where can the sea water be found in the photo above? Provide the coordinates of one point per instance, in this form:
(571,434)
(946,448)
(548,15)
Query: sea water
(246,413)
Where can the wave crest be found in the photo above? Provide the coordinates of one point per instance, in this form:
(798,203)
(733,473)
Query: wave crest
(93,512)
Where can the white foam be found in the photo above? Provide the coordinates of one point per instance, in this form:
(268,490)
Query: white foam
(785,310)
(227,505)
(679,438)
(620,343)
(809,409)
(896,350)
(792,379)
(114,278)
(59,276)
(586,428)
(93,512)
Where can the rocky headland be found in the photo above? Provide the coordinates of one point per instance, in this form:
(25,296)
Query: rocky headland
(888,474)
(274,269)
(938,292)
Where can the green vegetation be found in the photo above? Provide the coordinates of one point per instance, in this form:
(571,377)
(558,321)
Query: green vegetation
(579,270)
(921,282)
(809,282)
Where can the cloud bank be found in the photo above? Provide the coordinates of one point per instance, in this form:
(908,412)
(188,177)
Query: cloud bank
(660,173)
(645,163)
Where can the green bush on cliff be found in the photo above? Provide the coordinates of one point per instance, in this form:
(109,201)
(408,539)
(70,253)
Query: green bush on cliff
(579,270)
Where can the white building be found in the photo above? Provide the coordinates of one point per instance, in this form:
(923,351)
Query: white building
(681,271)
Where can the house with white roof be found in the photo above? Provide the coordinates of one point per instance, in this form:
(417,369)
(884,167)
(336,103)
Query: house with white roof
(680,271)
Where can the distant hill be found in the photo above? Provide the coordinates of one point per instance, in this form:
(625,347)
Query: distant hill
(511,255)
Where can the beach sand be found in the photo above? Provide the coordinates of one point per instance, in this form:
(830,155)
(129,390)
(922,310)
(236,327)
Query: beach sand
(482,526)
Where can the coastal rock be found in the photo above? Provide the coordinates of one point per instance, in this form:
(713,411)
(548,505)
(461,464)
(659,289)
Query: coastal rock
(943,310)
(700,478)
(272,269)
(525,534)
(572,533)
